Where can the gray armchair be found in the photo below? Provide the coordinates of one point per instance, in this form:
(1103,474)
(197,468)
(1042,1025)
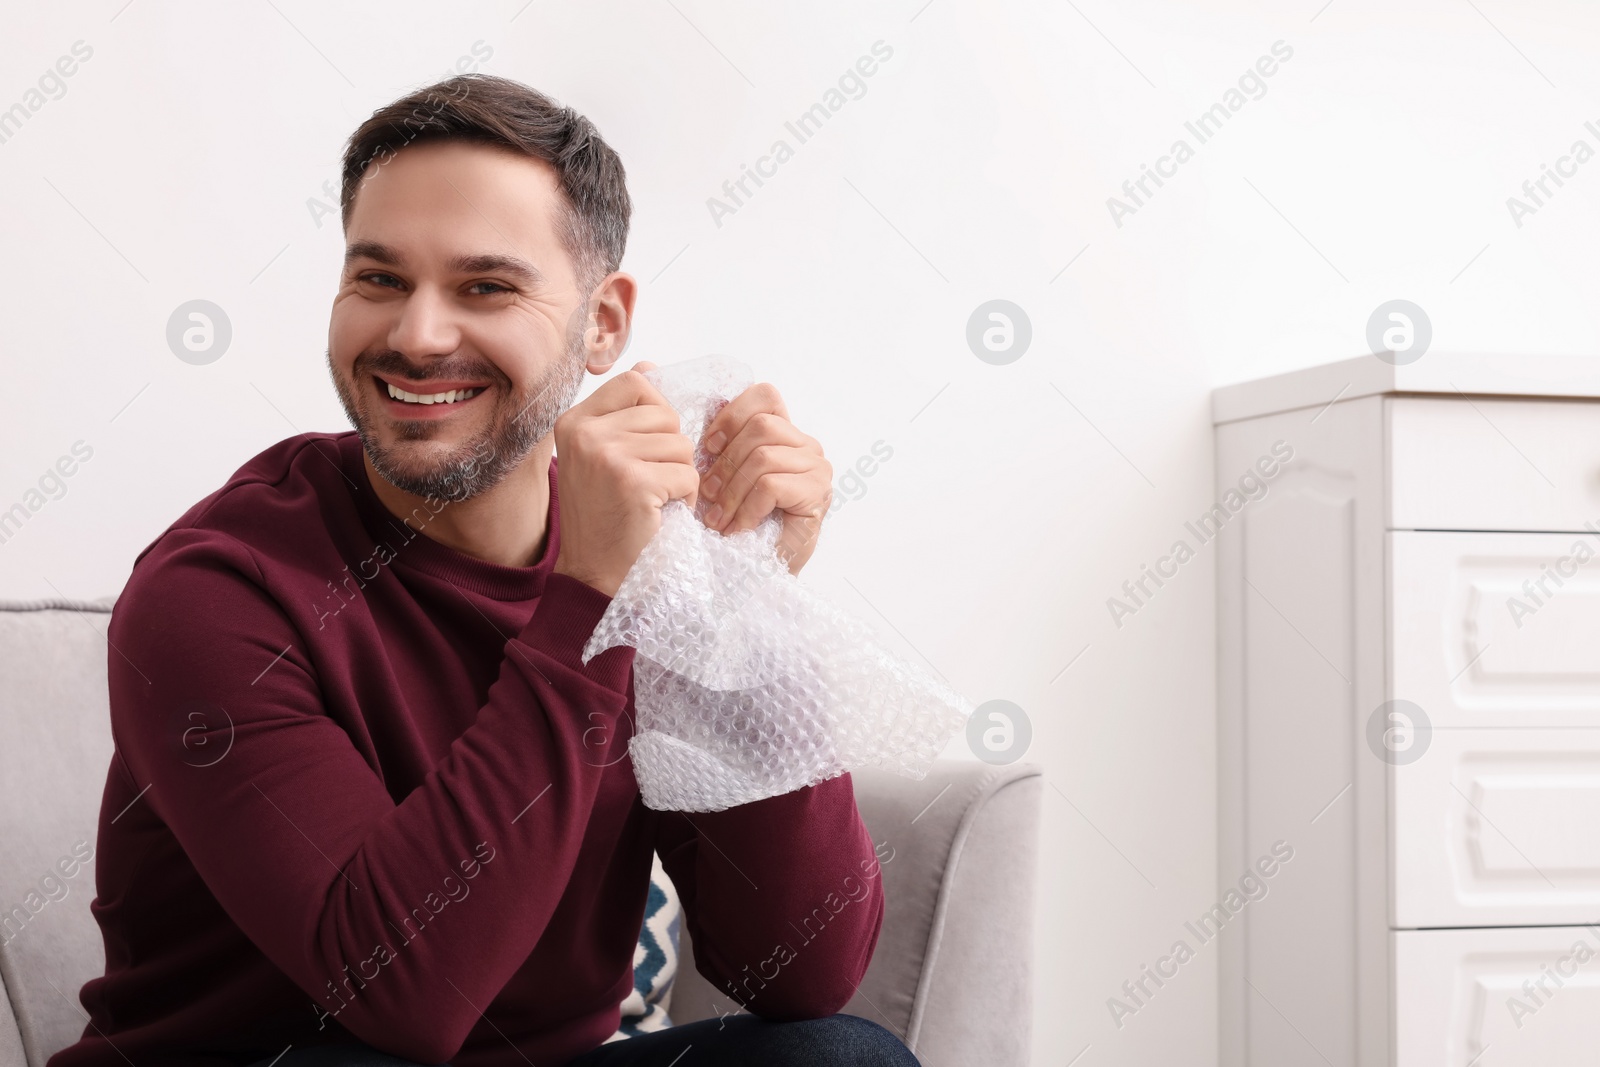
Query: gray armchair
(952,973)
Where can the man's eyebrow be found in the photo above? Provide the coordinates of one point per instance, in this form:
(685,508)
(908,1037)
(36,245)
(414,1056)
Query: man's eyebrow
(496,263)
(481,263)
(373,250)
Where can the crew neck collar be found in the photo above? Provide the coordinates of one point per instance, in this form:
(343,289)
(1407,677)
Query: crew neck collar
(415,550)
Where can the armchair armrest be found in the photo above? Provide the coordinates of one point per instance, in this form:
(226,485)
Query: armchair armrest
(953,971)
(11,1050)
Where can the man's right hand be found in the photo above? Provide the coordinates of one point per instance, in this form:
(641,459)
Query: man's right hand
(620,457)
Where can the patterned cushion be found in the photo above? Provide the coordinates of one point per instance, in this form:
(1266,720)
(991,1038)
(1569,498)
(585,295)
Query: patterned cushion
(655,960)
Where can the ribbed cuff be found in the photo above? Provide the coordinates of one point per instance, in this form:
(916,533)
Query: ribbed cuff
(567,614)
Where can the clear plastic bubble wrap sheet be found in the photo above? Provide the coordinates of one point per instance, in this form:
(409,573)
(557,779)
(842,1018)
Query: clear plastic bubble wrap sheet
(746,683)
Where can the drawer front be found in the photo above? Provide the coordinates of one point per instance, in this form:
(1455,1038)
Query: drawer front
(1497,998)
(1487,464)
(1496,629)
(1498,828)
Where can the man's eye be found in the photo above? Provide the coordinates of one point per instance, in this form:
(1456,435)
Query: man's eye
(493,287)
(379,278)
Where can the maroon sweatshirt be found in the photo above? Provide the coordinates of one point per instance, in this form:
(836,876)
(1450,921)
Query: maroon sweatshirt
(365,789)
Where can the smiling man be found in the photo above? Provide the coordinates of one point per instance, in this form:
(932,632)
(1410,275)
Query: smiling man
(367,804)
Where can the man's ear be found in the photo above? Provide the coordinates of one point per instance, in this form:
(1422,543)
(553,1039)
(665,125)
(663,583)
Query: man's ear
(609,324)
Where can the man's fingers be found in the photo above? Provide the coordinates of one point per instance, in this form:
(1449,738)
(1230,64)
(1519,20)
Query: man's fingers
(787,490)
(728,487)
(678,481)
(766,444)
(760,398)
(762,431)
(628,389)
(644,418)
(662,448)
(799,535)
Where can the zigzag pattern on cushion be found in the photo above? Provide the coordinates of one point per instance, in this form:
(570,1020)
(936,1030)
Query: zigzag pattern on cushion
(655,960)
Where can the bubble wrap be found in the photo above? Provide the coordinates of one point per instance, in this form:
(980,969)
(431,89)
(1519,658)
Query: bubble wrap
(746,683)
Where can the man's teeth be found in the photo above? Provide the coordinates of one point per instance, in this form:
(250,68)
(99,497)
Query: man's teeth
(449,397)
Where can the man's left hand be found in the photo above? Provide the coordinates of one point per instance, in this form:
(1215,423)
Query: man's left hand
(764,463)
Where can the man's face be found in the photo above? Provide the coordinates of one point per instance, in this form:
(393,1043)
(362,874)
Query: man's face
(456,290)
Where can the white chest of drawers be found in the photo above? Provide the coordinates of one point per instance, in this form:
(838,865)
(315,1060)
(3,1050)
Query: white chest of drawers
(1433,543)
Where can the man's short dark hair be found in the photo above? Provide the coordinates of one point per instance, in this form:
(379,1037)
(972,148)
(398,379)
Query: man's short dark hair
(490,110)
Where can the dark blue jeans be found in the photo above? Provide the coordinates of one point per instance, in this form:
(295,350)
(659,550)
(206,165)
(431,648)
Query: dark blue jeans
(738,1040)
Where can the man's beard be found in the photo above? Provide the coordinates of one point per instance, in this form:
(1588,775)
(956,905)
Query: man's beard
(519,423)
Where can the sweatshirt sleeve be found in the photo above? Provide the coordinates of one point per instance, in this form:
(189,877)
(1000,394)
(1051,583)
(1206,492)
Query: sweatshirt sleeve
(782,898)
(296,834)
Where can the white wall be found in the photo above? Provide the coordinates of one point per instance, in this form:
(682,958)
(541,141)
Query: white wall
(179,162)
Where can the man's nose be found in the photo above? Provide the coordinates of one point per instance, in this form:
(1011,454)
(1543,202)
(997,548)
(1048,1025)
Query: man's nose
(426,326)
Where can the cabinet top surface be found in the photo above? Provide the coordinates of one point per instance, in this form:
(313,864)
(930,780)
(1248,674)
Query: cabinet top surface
(1445,373)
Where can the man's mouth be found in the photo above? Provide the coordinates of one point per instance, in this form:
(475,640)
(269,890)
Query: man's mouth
(449,396)
(418,398)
